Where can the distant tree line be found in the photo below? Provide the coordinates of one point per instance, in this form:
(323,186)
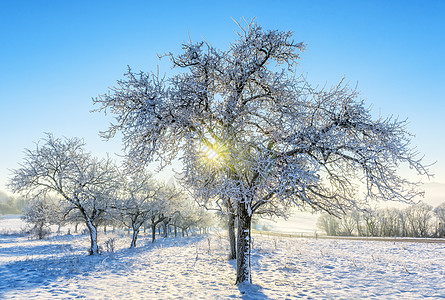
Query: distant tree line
(10,205)
(417,220)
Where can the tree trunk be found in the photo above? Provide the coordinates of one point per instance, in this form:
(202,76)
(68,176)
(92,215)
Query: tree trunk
(39,229)
(165,230)
(243,246)
(135,237)
(232,236)
(153,233)
(94,249)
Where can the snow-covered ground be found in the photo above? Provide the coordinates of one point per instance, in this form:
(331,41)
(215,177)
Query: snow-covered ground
(197,268)
(298,222)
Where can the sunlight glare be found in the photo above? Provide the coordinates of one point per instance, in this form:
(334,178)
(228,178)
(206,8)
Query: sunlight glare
(212,154)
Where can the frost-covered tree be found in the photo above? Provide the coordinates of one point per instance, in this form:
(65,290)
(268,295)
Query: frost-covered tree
(73,217)
(347,225)
(248,129)
(61,167)
(356,215)
(419,219)
(164,206)
(137,202)
(329,224)
(41,212)
(190,216)
(224,208)
(371,223)
(439,212)
(390,221)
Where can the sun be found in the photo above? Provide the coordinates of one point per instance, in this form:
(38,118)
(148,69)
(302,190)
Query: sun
(210,153)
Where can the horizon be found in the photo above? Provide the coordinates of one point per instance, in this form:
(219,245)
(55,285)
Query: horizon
(57,56)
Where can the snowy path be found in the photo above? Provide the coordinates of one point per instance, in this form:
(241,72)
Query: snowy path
(283,268)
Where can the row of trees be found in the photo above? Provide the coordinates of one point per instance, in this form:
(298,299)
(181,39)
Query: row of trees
(68,185)
(418,220)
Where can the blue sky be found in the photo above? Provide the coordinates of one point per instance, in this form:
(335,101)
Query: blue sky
(55,56)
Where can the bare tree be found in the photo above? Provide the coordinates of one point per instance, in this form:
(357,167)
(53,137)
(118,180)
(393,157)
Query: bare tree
(260,136)
(329,224)
(62,167)
(390,222)
(136,202)
(356,215)
(164,206)
(371,222)
(347,224)
(41,212)
(419,219)
(191,216)
(439,212)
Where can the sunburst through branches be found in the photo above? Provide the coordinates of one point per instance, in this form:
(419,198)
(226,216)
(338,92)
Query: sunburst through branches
(212,155)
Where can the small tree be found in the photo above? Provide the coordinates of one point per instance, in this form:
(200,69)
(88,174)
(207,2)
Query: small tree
(371,223)
(358,220)
(190,216)
(164,206)
(347,224)
(73,216)
(41,212)
(439,212)
(136,202)
(329,224)
(419,219)
(390,222)
(273,139)
(62,167)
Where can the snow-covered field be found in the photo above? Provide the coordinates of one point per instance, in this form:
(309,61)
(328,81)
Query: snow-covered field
(197,268)
(297,223)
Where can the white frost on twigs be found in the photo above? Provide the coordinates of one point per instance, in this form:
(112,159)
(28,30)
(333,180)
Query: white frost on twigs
(277,140)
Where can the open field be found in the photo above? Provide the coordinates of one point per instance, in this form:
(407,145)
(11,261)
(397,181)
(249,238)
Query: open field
(196,268)
(353,238)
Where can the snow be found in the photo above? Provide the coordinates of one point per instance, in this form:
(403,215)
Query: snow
(171,268)
(10,222)
(298,222)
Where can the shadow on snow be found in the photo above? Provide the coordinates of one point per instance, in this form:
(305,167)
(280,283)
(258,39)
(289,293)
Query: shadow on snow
(250,291)
(32,271)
